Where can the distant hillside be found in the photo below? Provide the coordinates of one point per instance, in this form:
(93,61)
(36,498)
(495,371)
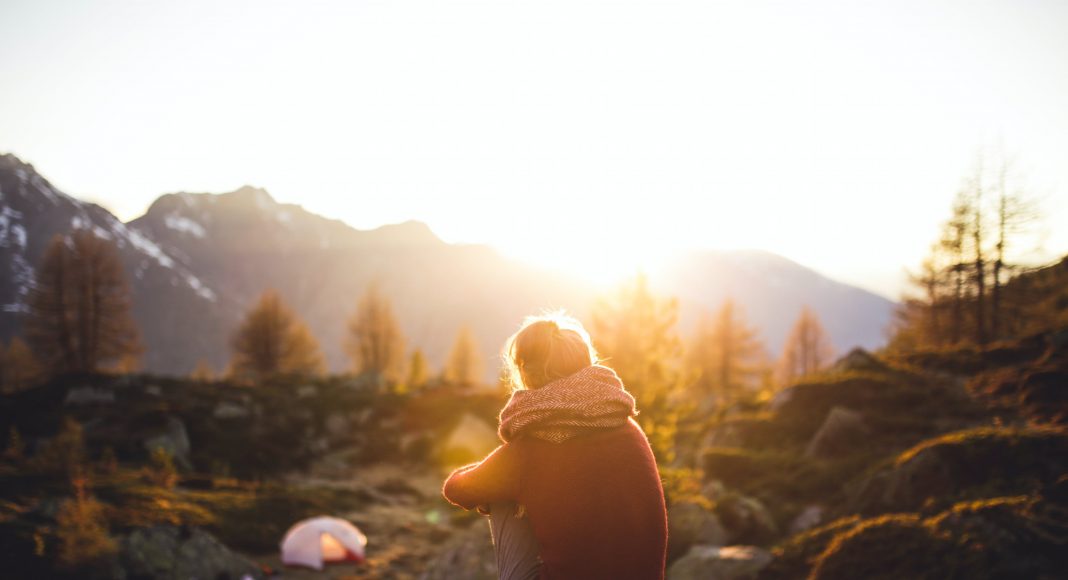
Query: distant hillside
(197,261)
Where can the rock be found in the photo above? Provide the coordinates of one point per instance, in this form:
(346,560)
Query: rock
(839,434)
(719,563)
(724,435)
(714,490)
(361,416)
(858,359)
(337,425)
(228,410)
(174,440)
(468,556)
(689,524)
(472,436)
(88,396)
(165,552)
(809,518)
(746,519)
(154,390)
(964,465)
(781,399)
(307,391)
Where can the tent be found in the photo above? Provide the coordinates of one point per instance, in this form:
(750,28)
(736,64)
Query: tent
(322,540)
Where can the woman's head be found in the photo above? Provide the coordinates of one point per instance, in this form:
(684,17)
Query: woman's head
(546,348)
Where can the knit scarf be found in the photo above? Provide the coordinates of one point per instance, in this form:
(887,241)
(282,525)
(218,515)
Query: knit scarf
(591,399)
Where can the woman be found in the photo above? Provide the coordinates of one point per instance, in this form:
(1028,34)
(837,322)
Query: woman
(574,490)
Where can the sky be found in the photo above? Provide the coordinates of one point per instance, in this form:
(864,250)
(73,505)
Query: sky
(591,135)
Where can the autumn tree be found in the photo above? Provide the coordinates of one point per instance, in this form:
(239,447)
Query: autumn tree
(272,341)
(374,341)
(1015,213)
(959,295)
(203,372)
(418,370)
(633,330)
(464,366)
(726,352)
(807,350)
(19,368)
(79,308)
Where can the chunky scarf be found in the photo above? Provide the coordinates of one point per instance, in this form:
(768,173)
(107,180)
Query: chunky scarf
(593,398)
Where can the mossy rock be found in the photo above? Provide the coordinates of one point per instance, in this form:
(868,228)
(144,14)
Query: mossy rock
(965,465)
(795,557)
(889,547)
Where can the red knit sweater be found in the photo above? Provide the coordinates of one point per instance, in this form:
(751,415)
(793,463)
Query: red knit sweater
(595,502)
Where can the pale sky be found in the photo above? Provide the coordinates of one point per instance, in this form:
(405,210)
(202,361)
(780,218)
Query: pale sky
(833,133)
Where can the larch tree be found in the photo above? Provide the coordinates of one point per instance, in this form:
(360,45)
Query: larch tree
(19,368)
(726,352)
(961,296)
(273,341)
(374,341)
(1015,213)
(418,370)
(79,308)
(807,350)
(633,330)
(464,366)
(203,372)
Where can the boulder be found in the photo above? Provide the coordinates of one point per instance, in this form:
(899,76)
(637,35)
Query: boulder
(839,434)
(337,425)
(229,410)
(88,396)
(173,439)
(858,359)
(746,519)
(809,518)
(166,552)
(975,463)
(781,399)
(719,563)
(690,523)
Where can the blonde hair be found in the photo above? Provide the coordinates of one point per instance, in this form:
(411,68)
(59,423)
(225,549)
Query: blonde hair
(547,347)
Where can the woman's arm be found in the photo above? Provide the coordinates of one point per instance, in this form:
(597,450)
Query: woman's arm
(494,479)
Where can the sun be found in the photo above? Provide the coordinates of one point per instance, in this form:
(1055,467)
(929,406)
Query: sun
(593,261)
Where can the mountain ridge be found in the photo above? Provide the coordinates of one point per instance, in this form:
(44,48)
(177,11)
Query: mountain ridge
(197,261)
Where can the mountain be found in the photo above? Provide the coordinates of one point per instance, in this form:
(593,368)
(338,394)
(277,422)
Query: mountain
(198,261)
(32,211)
(772,290)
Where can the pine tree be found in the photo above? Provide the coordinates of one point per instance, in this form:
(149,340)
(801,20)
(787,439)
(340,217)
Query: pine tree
(272,341)
(726,352)
(79,308)
(464,366)
(374,341)
(807,350)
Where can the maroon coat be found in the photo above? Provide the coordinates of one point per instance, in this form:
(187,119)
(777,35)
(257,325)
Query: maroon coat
(595,501)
